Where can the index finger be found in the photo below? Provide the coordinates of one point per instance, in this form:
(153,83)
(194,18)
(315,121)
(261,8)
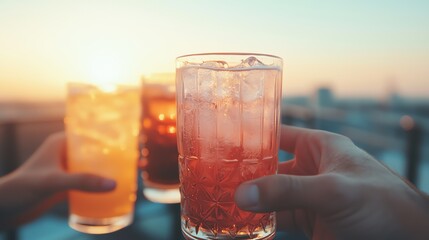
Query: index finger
(290,136)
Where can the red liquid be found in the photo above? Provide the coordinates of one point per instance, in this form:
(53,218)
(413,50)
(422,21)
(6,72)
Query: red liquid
(207,191)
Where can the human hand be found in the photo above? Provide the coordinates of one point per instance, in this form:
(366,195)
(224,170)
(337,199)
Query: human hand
(42,181)
(334,190)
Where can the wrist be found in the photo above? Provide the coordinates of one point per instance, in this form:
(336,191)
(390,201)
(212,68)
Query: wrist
(7,193)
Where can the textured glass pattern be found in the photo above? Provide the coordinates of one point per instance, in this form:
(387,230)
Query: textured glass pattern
(228,121)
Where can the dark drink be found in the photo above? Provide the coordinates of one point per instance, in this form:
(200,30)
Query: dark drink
(159,163)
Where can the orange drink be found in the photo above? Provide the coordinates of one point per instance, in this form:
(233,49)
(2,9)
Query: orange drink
(228,108)
(102,128)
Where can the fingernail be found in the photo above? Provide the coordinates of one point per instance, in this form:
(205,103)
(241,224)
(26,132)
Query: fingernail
(247,196)
(107,184)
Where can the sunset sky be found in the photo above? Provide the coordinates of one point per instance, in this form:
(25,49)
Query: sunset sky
(358,48)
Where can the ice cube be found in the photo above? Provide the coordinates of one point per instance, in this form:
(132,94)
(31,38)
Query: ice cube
(228,123)
(252,85)
(252,137)
(215,64)
(228,85)
(207,120)
(207,84)
(187,77)
(252,121)
(105,115)
(207,130)
(250,62)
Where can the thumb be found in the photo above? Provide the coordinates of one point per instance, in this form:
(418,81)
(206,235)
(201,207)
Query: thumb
(84,182)
(285,192)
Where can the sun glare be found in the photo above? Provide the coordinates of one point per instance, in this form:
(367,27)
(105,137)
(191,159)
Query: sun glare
(108,63)
(105,70)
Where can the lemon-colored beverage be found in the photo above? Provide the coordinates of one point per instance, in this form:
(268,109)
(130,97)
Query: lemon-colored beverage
(102,128)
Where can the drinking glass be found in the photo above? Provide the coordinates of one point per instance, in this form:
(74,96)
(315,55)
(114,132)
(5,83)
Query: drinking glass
(158,142)
(228,107)
(102,126)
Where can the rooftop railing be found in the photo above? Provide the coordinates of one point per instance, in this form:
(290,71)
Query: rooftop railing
(381,132)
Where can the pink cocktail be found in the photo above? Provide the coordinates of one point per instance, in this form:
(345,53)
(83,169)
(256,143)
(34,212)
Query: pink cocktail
(228,133)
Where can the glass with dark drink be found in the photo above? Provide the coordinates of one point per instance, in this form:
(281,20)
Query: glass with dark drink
(158,147)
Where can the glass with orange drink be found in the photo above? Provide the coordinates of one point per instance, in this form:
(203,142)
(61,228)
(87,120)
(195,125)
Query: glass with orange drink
(102,126)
